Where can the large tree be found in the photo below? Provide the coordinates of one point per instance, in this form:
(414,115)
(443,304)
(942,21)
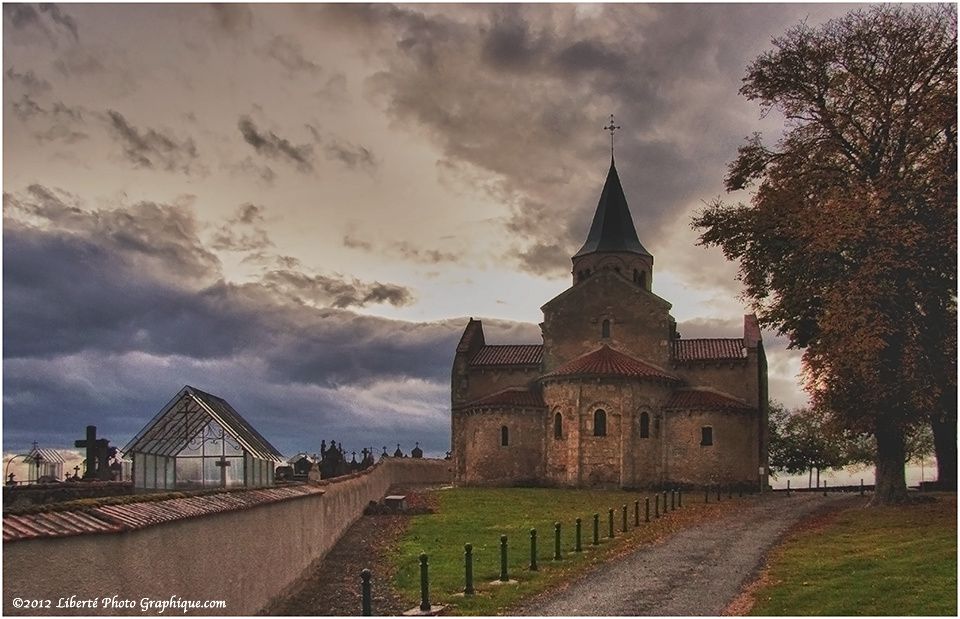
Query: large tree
(848,245)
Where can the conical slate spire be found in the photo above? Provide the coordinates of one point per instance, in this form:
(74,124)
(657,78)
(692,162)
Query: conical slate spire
(612,228)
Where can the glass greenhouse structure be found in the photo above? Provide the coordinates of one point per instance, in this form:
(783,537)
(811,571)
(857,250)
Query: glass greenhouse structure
(200,441)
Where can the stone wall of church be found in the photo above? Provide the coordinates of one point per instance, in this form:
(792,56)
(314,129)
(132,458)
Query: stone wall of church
(620,457)
(483,460)
(484,382)
(738,379)
(639,321)
(731,459)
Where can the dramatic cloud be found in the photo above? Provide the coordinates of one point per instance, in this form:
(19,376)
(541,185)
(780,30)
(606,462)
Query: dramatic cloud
(340,150)
(233,19)
(403,250)
(154,149)
(334,291)
(290,56)
(28,81)
(45,18)
(244,231)
(272,146)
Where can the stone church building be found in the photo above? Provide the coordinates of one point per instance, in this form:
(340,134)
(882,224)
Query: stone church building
(614,396)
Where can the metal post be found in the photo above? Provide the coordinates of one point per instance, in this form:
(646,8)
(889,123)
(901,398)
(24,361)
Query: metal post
(366,608)
(533,550)
(556,541)
(636,513)
(673,500)
(664,501)
(718,493)
(646,502)
(596,529)
(578,547)
(824,487)
(706,495)
(468,568)
(679,498)
(624,510)
(424,583)
(788,487)
(610,523)
(729,492)
(503,559)
(656,506)
(861,486)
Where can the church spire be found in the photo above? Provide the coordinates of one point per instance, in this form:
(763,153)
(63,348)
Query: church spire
(612,229)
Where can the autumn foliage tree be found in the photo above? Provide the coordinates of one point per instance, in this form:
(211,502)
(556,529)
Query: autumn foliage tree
(848,245)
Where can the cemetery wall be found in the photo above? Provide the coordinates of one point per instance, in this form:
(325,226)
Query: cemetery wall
(244,557)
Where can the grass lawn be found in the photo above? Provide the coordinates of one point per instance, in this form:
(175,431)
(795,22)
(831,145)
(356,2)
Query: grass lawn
(868,561)
(480,515)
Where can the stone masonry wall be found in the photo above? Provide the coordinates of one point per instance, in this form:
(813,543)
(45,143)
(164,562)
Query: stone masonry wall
(486,461)
(733,457)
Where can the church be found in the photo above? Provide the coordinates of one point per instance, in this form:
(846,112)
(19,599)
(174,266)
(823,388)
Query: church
(614,396)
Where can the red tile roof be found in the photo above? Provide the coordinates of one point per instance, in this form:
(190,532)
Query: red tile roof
(514,396)
(709,349)
(704,400)
(118,518)
(509,354)
(606,361)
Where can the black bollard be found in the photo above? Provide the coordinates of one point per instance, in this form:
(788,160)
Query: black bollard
(729,492)
(636,513)
(424,583)
(673,500)
(706,495)
(578,547)
(679,498)
(824,487)
(656,506)
(861,486)
(788,487)
(740,493)
(533,550)
(646,502)
(718,493)
(503,559)
(610,523)
(624,509)
(468,568)
(366,607)
(596,529)
(664,501)
(556,541)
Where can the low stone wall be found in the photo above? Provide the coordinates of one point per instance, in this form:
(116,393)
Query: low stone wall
(37,494)
(244,558)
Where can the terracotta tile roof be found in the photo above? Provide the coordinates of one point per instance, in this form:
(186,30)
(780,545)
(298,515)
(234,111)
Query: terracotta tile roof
(119,518)
(709,349)
(606,361)
(509,354)
(514,396)
(704,400)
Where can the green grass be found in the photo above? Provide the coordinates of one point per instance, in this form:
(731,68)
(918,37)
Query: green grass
(868,561)
(480,515)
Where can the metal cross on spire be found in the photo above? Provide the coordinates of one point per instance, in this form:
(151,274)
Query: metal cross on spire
(611,128)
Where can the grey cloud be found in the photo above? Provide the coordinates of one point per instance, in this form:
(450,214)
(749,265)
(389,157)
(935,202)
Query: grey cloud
(290,56)
(589,56)
(29,81)
(334,90)
(354,243)
(402,249)
(233,19)
(333,291)
(78,63)
(248,168)
(154,149)
(271,145)
(340,150)
(26,108)
(244,231)
(47,18)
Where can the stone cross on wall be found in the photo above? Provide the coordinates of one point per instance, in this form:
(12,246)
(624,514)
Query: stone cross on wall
(99,453)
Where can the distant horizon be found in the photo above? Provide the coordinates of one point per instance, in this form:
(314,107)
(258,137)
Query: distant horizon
(297,207)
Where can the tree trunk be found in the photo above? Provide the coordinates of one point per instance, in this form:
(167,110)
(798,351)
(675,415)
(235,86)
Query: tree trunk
(891,482)
(810,479)
(818,477)
(945,440)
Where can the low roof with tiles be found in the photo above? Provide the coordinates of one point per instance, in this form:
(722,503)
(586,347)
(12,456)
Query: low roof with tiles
(606,361)
(699,399)
(709,349)
(511,397)
(507,354)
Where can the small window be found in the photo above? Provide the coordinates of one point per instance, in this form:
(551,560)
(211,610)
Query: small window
(644,425)
(600,423)
(706,436)
(605,329)
(557,426)
(504,436)
(643,280)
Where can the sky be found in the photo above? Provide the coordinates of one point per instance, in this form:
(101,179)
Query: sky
(297,207)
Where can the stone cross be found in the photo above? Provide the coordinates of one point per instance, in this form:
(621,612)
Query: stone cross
(223,463)
(97,454)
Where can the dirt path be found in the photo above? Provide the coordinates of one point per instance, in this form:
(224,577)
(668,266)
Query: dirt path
(698,571)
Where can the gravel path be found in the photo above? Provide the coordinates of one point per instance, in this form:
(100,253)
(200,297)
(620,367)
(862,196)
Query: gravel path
(698,571)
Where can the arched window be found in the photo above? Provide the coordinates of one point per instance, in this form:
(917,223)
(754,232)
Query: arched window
(600,422)
(644,425)
(605,329)
(504,436)
(643,280)
(557,426)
